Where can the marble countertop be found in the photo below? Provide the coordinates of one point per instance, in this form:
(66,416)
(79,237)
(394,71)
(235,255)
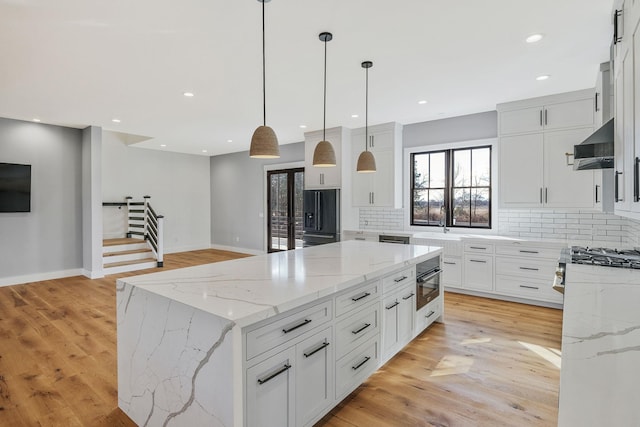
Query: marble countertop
(251,289)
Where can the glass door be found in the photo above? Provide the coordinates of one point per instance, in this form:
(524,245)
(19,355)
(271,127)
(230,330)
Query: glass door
(285,203)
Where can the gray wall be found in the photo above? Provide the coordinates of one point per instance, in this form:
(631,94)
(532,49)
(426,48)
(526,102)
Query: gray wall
(237,196)
(461,128)
(49,238)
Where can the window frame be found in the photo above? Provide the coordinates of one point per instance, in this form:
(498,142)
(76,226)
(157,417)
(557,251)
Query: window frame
(449,187)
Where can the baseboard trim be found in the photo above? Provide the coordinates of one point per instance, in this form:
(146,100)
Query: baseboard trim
(175,250)
(504,297)
(237,249)
(38,277)
(97,274)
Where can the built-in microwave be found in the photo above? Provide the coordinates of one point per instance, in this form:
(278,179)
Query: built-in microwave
(427,281)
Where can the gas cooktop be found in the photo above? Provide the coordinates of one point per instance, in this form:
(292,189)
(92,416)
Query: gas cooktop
(627,258)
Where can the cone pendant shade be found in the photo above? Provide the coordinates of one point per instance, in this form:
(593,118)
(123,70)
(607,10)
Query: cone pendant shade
(324,156)
(264,144)
(366,162)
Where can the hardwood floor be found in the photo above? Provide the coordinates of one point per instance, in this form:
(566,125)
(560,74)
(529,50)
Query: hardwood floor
(491,364)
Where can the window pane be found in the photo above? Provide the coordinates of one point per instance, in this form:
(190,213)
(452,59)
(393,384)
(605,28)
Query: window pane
(436,203)
(420,207)
(462,168)
(461,198)
(481,167)
(421,171)
(480,207)
(437,177)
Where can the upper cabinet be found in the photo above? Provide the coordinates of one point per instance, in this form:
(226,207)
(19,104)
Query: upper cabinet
(382,188)
(323,178)
(536,142)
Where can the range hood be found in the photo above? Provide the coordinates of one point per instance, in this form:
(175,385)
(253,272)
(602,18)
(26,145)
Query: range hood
(595,152)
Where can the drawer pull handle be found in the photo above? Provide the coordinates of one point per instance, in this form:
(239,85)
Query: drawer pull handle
(529,287)
(366,359)
(478,247)
(392,305)
(324,345)
(408,296)
(299,325)
(285,368)
(431,313)
(478,260)
(366,294)
(366,325)
(529,268)
(449,263)
(360,238)
(528,252)
(400,279)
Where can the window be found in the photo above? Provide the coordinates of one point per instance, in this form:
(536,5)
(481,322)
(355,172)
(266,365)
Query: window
(452,188)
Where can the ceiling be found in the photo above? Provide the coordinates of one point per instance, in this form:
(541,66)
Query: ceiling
(86,62)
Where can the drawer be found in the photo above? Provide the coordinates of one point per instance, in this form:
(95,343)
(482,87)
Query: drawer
(536,269)
(452,272)
(358,297)
(528,251)
(355,329)
(428,314)
(285,328)
(478,248)
(478,272)
(356,367)
(396,280)
(530,289)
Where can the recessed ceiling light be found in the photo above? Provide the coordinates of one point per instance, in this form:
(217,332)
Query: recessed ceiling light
(115,120)
(229,140)
(36,120)
(355,116)
(543,77)
(188,94)
(533,38)
(204,151)
(163,145)
(422,102)
(303,126)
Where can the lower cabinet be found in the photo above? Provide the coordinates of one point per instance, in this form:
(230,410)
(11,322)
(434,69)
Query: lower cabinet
(452,272)
(398,312)
(294,386)
(429,314)
(356,366)
(478,272)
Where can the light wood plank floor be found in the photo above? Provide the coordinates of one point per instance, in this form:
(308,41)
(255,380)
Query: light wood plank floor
(491,364)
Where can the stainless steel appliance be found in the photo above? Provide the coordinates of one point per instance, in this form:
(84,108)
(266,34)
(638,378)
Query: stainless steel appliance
(321,213)
(427,281)
(386,238)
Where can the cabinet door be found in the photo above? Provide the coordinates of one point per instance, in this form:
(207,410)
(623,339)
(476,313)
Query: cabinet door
(381,141)
(452,272)
(382,179)
(622,195)
(314,376)
(406,314)
(564,187)
(478,272)
(634,116)
(521,166)
(522,120)
(389,325)
(361,182)
(569,114)
(271,391)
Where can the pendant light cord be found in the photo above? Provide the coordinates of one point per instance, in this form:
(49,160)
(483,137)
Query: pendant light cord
(324,112)
(366,111)
(264,80)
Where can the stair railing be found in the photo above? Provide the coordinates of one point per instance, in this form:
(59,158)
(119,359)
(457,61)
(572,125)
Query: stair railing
(144,221)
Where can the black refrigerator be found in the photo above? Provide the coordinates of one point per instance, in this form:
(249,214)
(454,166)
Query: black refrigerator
(321,217)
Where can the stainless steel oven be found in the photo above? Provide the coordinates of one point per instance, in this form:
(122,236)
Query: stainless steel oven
(427,281)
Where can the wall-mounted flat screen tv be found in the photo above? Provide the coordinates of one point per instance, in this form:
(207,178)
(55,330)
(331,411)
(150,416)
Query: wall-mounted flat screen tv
(15,188)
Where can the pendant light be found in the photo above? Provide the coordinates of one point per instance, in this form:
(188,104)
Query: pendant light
(366,161)
(264,143)
(324,156)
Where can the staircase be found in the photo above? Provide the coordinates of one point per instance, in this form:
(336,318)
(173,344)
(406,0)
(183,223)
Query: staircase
(126,254)
(142,247)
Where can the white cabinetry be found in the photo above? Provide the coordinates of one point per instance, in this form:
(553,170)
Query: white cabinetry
(328,177)
(534,168)
(397,319)
(382,188)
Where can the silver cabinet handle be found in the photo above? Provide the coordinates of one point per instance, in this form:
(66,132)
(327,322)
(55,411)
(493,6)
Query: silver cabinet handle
(366,359)
(408,296)
(373,198)
(400,279)
(483,248)
(529,268)
(431,313)
(528,252)
(540,117)
(366,325)
(617,188)
(477,260)
(546,195)
(540,195)
(299,325)
(529,287)
(285,368)
(392,305)
(448,263)
(546,114)
(322,346)
(364,295)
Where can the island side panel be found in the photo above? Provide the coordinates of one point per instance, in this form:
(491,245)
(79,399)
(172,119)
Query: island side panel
(175,362)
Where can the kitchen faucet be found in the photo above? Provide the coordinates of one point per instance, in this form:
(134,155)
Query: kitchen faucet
(443,219)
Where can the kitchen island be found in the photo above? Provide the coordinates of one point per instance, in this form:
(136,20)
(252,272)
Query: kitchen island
(275,339)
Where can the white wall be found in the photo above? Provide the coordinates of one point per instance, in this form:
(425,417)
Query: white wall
(46,242)
(179,186)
